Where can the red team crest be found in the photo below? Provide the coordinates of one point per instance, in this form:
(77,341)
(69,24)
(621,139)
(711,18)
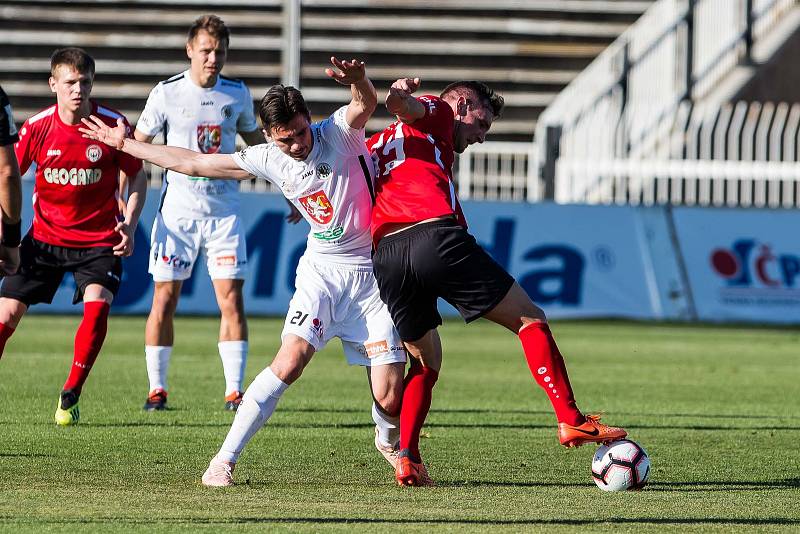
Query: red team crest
(318,207)
(209,137)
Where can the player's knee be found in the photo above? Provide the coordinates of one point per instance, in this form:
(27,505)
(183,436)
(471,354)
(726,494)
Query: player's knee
(292,358)
(389,401)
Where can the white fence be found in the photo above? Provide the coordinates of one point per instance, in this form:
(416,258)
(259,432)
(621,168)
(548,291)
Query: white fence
(734,155)
(630,95)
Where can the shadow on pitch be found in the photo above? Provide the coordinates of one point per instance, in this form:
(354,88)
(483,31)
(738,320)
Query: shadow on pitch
(398,522)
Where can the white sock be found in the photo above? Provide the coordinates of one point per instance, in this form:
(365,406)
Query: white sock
(388,426)
(157,358)
(257,405)
(234,360)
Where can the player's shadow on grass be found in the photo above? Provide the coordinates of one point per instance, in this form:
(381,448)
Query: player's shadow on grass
(683,486)
(724,485)
(399,522)
(495,412)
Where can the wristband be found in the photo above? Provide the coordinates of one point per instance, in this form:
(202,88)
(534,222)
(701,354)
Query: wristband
(11,234)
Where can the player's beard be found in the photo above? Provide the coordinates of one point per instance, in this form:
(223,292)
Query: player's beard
(457,147)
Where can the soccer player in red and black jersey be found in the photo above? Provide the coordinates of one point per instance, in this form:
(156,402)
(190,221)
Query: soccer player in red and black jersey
(423,251)
(77,225)
(10,190)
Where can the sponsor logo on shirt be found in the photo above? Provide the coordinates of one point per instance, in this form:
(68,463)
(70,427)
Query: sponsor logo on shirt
(223,261)
(94,153)
(207,103)
(371,350)
(72,176)
(176,262)
(317,327)
(209,137)
(331,234)
(318,207)
(53,152)
(324,170)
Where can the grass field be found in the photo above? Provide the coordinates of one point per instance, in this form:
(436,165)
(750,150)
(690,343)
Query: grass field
(717,408)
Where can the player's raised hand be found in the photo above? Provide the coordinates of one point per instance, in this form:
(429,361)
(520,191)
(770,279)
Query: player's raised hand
(94,128)
(401,102)
(125,246)
(404,86)
(349,72)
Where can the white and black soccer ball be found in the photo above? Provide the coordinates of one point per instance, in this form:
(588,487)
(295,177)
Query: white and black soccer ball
(620,465)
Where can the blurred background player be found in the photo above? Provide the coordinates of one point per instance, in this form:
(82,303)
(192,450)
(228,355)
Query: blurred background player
(10,190)
(423,252)
(322,168)
(76,220)
(201,110)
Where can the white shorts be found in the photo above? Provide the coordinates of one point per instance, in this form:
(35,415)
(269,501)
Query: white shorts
(177,242)
(336,300)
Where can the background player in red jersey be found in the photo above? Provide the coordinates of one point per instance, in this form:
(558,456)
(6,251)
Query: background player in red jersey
(423,251)
(10,190)
(76,226)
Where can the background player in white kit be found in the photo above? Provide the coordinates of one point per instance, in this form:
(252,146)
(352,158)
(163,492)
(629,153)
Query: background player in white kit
(201,110)
(326,171)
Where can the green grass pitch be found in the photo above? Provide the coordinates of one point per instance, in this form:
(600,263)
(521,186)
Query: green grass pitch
(717,408)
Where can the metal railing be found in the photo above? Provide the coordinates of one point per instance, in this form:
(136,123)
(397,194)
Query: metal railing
(623,104)
(743,155)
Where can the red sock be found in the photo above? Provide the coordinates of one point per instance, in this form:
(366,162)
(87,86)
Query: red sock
(88,340)
(547,366)
(5,333)
(417,396)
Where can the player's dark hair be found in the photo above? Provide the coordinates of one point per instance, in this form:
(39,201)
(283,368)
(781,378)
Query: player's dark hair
(472,90)
(214,26)
(280,105)
(74,57)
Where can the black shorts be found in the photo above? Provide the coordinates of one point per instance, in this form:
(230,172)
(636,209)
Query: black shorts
(432,260)
(42,266)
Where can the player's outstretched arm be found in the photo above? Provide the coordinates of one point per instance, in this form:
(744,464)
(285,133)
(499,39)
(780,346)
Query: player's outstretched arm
(169,157)
(137,191)
(365,98)
(401,103)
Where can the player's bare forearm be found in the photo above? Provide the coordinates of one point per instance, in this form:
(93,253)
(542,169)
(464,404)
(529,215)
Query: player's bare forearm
(177,159)
(137,193)
(363,103)
(10,185)
(365,99)
(401,103)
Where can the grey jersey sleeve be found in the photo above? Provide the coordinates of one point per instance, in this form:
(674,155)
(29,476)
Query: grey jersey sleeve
(255,160)
(342,136)
(247,119)
(8,130)
(154,117)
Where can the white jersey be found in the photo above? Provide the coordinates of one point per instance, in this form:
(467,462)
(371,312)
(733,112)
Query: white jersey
(204,120)
(330,187)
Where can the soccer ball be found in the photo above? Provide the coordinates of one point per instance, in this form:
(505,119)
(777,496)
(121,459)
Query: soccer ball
(620,465)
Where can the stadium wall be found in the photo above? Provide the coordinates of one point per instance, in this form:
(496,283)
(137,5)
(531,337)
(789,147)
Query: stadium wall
(576,261)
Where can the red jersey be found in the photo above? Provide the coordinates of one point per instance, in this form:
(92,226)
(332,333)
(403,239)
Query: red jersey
(415,169)
(77,180)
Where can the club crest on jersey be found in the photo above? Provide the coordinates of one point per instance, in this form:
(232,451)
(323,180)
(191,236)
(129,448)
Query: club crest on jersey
(324,170)
(94,153)
(227,112)
(318,207)
(209,137)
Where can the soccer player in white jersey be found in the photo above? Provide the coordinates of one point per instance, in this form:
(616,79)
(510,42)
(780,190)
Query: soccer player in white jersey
(201,110)
(326,171)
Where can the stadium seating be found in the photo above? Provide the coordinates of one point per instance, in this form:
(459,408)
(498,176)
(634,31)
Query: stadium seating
(528,49)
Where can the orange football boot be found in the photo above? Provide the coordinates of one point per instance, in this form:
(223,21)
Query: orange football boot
(410,473)
(591,431)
